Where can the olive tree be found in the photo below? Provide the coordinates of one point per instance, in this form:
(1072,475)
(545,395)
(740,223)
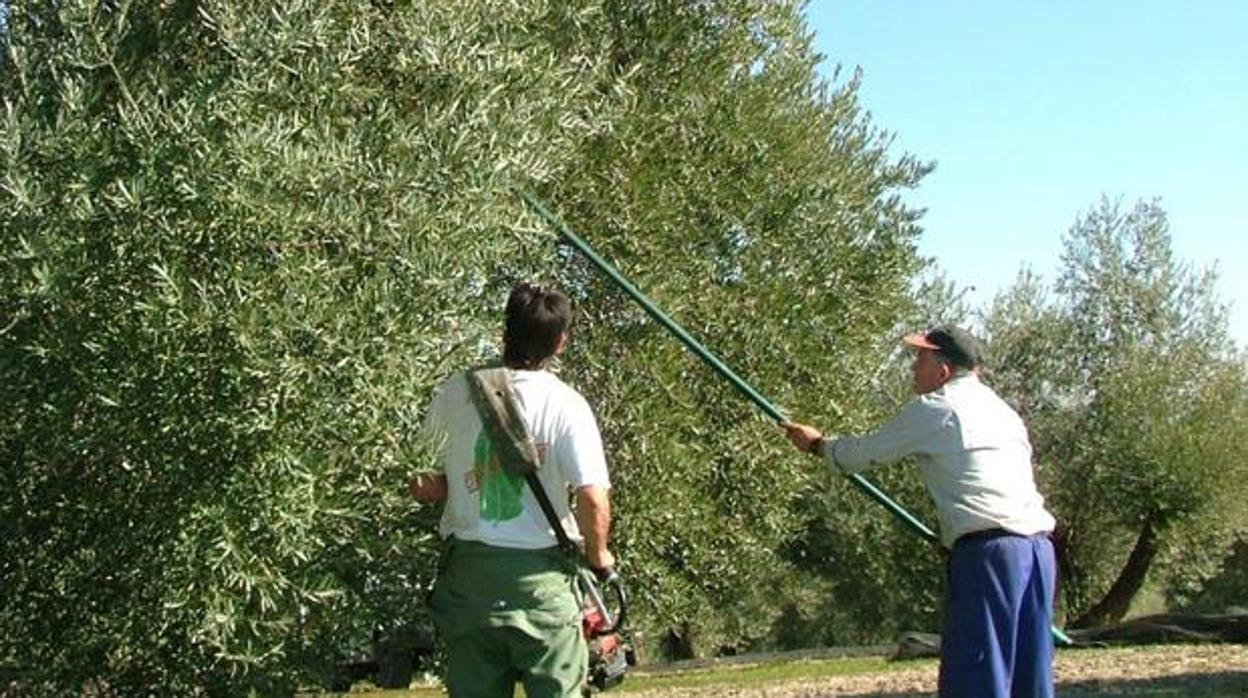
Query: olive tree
(1135,397)
(240,243)
(760,207)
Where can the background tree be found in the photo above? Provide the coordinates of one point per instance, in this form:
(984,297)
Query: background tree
(1133,392)
(1223,590)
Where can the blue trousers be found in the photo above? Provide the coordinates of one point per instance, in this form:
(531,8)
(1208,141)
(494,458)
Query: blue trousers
(996,641)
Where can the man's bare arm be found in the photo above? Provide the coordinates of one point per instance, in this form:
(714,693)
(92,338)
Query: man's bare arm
(428,488)
(593,516)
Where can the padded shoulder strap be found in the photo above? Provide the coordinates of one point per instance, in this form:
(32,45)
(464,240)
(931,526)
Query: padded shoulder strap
(494,396)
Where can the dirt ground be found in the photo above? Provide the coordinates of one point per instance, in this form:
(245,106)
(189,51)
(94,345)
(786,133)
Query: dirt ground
(1164,670)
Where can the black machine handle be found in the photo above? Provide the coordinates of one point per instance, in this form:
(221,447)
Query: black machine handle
(612,580)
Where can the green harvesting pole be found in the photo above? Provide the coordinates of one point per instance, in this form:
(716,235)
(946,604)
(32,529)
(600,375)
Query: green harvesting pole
(703,353)
(720,367)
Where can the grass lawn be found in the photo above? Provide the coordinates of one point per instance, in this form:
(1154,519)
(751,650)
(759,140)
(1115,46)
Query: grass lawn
(744,676)
(1177,671)
(657,679)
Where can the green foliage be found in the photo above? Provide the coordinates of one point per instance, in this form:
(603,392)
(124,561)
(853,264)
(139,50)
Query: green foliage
(876,578)
(1135,398)
(241,242)
(757,206)
(1224,590)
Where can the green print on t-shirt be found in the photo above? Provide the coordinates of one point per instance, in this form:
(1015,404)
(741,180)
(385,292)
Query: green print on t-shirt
(500,491)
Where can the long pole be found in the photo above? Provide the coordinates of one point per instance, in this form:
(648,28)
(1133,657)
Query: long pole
(719,366)
(705,354)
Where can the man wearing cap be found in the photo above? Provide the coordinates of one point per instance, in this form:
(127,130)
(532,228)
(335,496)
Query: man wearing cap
(975,458)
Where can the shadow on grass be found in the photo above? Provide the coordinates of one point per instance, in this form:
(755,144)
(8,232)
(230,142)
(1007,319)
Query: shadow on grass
(1220,684)
(1225,684)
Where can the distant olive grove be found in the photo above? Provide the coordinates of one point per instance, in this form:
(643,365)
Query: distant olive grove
(242,241)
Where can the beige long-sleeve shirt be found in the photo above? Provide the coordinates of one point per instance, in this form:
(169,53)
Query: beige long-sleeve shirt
(973,453)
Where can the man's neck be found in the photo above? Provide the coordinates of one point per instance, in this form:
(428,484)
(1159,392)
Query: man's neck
(541,366)
(960,375)
(954,377)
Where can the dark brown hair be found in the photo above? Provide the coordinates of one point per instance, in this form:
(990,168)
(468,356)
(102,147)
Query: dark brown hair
(535,319)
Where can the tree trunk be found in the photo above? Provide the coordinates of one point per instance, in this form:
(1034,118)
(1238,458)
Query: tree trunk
(1066,571)
(1117,600)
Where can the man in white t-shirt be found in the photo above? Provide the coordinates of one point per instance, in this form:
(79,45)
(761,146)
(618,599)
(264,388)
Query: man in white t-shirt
(975,458)
(505,600)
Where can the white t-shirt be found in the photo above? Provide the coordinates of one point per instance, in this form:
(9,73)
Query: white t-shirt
(973,453)
(489,505)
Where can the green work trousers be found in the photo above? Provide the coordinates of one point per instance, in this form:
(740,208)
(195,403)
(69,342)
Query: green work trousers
(509,616)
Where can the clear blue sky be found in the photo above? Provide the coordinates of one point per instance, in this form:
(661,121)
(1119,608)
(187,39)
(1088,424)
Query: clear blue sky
(1033,110)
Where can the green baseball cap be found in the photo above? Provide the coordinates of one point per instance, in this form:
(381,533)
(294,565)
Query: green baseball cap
(954,343)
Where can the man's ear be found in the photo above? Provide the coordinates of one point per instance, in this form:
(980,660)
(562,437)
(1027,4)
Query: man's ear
(562,344)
